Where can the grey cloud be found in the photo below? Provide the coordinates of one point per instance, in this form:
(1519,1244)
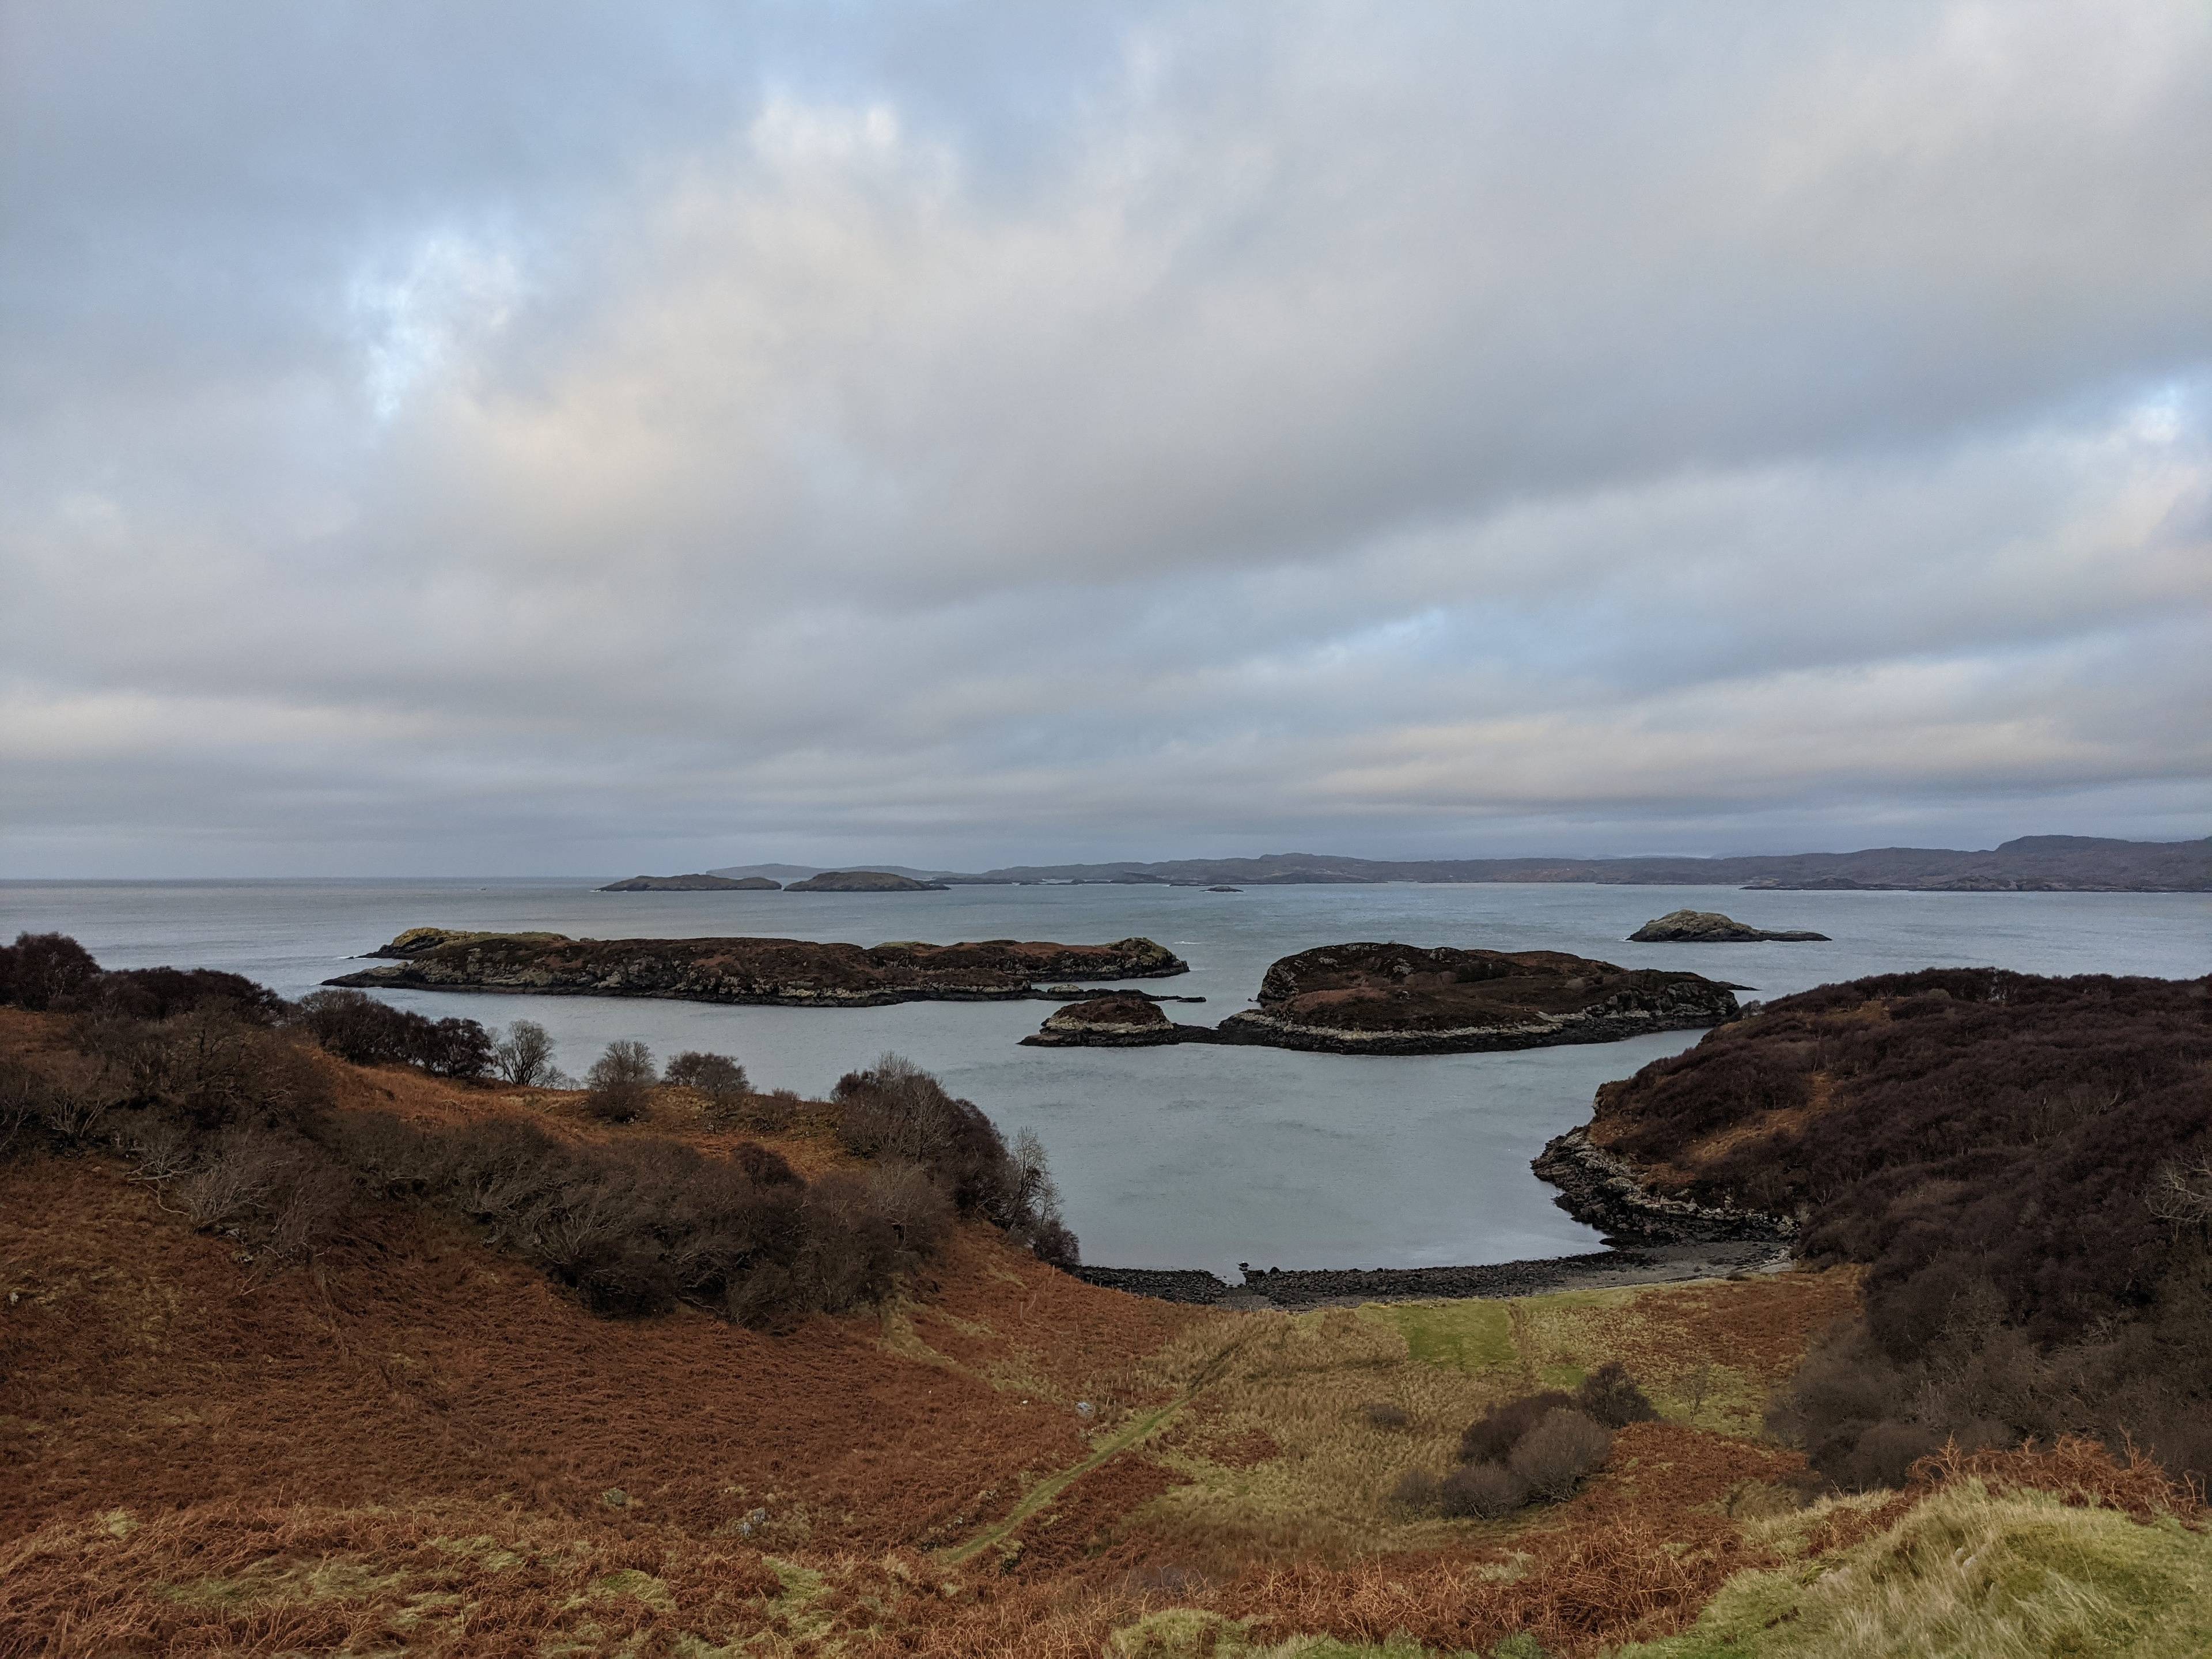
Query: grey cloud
(997,434)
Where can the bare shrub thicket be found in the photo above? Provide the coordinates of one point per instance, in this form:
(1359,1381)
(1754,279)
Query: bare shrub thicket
(619,1085)
(717,1077)
(1558,1452)
(524,1057)
(355,1026)
(1535,1447)
(216,1097)
(2024,1167)
(895,1108)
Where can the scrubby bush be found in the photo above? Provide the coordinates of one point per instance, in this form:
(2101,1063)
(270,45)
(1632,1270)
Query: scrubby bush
(1558,1452)
(1611,1396)
(1491,1437)
(717,1076)
(620,1082)
(41,969)
(357,1027)
(1486,1491)
(895,1108)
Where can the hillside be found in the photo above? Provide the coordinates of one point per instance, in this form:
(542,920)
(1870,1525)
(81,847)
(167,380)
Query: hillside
(2023,1166)
(2027,864)
(414,1432)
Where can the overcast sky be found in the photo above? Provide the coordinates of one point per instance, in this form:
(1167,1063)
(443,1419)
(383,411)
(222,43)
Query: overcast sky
(541,438)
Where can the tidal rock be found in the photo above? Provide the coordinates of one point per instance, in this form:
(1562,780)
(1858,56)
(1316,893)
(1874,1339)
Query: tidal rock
(1119,1021)
(1708,927)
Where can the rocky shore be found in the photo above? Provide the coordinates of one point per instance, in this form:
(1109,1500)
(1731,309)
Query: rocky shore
(780,972)
(1603,1190)
(1299,1289)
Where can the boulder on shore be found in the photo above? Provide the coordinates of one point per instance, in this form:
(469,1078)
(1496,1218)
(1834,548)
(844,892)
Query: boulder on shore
(1709,928)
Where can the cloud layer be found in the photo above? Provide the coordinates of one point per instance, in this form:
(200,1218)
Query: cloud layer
(540,440)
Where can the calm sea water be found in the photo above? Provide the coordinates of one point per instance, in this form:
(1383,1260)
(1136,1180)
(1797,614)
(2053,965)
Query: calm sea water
(1177,1156)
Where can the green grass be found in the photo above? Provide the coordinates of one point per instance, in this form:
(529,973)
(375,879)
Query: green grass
(1466,1336)
(1968,1575)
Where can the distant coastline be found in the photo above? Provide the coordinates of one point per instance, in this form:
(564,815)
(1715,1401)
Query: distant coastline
(2029,864)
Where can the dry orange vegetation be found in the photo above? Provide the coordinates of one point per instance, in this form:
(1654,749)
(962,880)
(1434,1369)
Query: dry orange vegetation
(414,1442)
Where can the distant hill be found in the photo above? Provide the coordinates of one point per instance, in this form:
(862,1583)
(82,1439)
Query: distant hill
(697,883)
(2029,864)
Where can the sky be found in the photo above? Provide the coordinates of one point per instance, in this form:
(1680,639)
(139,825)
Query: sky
(545,438)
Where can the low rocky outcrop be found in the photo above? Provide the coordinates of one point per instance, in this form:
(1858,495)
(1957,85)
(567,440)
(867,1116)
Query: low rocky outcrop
(1120,1020)
(784,972)
(697,883)
(864,881)
(1709,927)
(1389,999)
(418,941)
(1604,1190)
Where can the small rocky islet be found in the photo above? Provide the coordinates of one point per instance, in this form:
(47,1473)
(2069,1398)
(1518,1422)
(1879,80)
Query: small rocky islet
(1391,998)
(1711,927)
(780,972)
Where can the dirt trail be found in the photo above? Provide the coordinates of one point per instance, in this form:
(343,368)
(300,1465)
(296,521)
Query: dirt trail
(1140,1428)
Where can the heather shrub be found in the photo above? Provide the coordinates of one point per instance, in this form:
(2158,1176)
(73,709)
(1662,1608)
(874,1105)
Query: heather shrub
(1491,1437)
(1486,1491)
(620,1083)
(1557,1452)
(1609,1395)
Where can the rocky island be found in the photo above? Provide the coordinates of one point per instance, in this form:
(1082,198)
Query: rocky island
(1119,1019)
(697,883)
(1709,927)
(782,972)
(864,881)
(1387,999)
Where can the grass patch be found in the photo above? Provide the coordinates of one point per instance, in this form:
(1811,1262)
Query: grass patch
(1466,1336)
(1974,1577)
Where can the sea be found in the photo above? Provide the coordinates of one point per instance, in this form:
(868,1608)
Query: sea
(1182,1157)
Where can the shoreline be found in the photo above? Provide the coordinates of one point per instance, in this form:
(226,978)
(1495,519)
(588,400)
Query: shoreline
(1300,1288)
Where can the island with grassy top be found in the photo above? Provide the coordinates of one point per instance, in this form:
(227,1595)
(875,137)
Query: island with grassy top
(784,972)
(1711,927)
(864,881)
